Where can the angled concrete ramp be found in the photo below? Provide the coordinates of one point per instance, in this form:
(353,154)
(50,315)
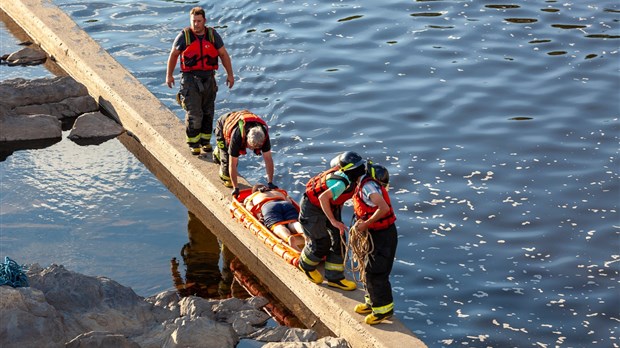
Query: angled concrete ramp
(157,138)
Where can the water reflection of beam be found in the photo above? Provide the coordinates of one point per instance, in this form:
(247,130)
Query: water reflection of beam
(275,285)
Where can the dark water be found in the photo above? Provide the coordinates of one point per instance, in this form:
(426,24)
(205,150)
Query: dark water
(498,123)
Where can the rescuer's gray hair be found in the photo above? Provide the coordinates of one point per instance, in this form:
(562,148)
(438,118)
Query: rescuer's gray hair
(256,137)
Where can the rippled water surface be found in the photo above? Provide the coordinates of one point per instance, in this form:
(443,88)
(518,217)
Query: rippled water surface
(498,123)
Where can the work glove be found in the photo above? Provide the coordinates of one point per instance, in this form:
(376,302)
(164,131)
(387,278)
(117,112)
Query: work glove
(271,186)
(235,192)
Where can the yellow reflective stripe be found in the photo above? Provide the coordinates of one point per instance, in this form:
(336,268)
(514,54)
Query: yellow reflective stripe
(187,38)
(205,136)
(211,36)
(334,266)
(383,309)
(346,167)
(193,139)
(241,125)
(306,260)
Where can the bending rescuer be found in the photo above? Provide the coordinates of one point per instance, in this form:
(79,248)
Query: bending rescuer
(320,216)
(235,132)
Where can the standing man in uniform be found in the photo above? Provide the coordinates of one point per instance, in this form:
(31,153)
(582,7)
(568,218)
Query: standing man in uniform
(199,47)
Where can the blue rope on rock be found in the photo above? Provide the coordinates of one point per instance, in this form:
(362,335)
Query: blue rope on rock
(12,274)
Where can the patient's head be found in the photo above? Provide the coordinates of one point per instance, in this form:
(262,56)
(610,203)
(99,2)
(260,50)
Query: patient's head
(260,188)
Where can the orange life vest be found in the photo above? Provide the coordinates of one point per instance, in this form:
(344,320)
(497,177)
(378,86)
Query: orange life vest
(240,119)
(199,54)
(364,211)
(318,185)
(257,208)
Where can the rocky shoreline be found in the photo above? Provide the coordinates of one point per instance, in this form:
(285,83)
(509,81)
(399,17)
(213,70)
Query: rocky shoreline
(62,308)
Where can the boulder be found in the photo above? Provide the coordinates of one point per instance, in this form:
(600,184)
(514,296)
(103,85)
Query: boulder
(94,126)
(68,309)
(93,303)
(21,92)
(202,332)
(101,339)
(29,127)
(27,56)
(325,342)
(66,108)
(27,320)
(284,334)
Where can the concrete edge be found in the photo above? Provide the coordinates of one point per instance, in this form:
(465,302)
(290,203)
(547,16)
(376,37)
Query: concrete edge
(160,133)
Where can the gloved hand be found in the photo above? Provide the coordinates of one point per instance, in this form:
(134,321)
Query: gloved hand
(235,192)
(271,186)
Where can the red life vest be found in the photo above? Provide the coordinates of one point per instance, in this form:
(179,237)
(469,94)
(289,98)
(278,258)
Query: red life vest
(364,211)
(240,119)
(318,185)
(199,54)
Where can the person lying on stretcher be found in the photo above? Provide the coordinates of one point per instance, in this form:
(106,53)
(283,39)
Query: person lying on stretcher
(274,208)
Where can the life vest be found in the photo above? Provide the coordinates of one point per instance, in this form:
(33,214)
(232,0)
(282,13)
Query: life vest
(199,54)
(318,185)
(257,208)
(240,119)
(364,211)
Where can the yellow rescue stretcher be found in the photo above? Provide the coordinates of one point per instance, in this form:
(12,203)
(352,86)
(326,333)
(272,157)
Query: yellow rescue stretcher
(278,245)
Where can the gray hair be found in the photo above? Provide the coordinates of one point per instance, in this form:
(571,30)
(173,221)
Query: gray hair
(256,137)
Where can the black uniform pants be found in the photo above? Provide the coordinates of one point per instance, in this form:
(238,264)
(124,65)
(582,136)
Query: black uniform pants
(379,266)
(198,99)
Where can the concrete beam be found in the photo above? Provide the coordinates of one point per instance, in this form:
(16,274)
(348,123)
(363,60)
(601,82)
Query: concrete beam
(160,134)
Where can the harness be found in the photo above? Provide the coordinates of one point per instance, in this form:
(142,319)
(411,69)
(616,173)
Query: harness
(240,119)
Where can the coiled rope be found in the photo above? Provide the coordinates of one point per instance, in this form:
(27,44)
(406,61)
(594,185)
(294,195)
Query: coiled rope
(12,274)
(358,250)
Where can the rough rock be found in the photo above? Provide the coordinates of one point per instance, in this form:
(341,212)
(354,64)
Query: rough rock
(247,322)
(94,125)
(27,320)
(67,309)
(27,56)
(101,339)
(23,102)
(284,334)
(29,127)
(325,342)
(202,332)
(66,108)
(93,303)
(21,92)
